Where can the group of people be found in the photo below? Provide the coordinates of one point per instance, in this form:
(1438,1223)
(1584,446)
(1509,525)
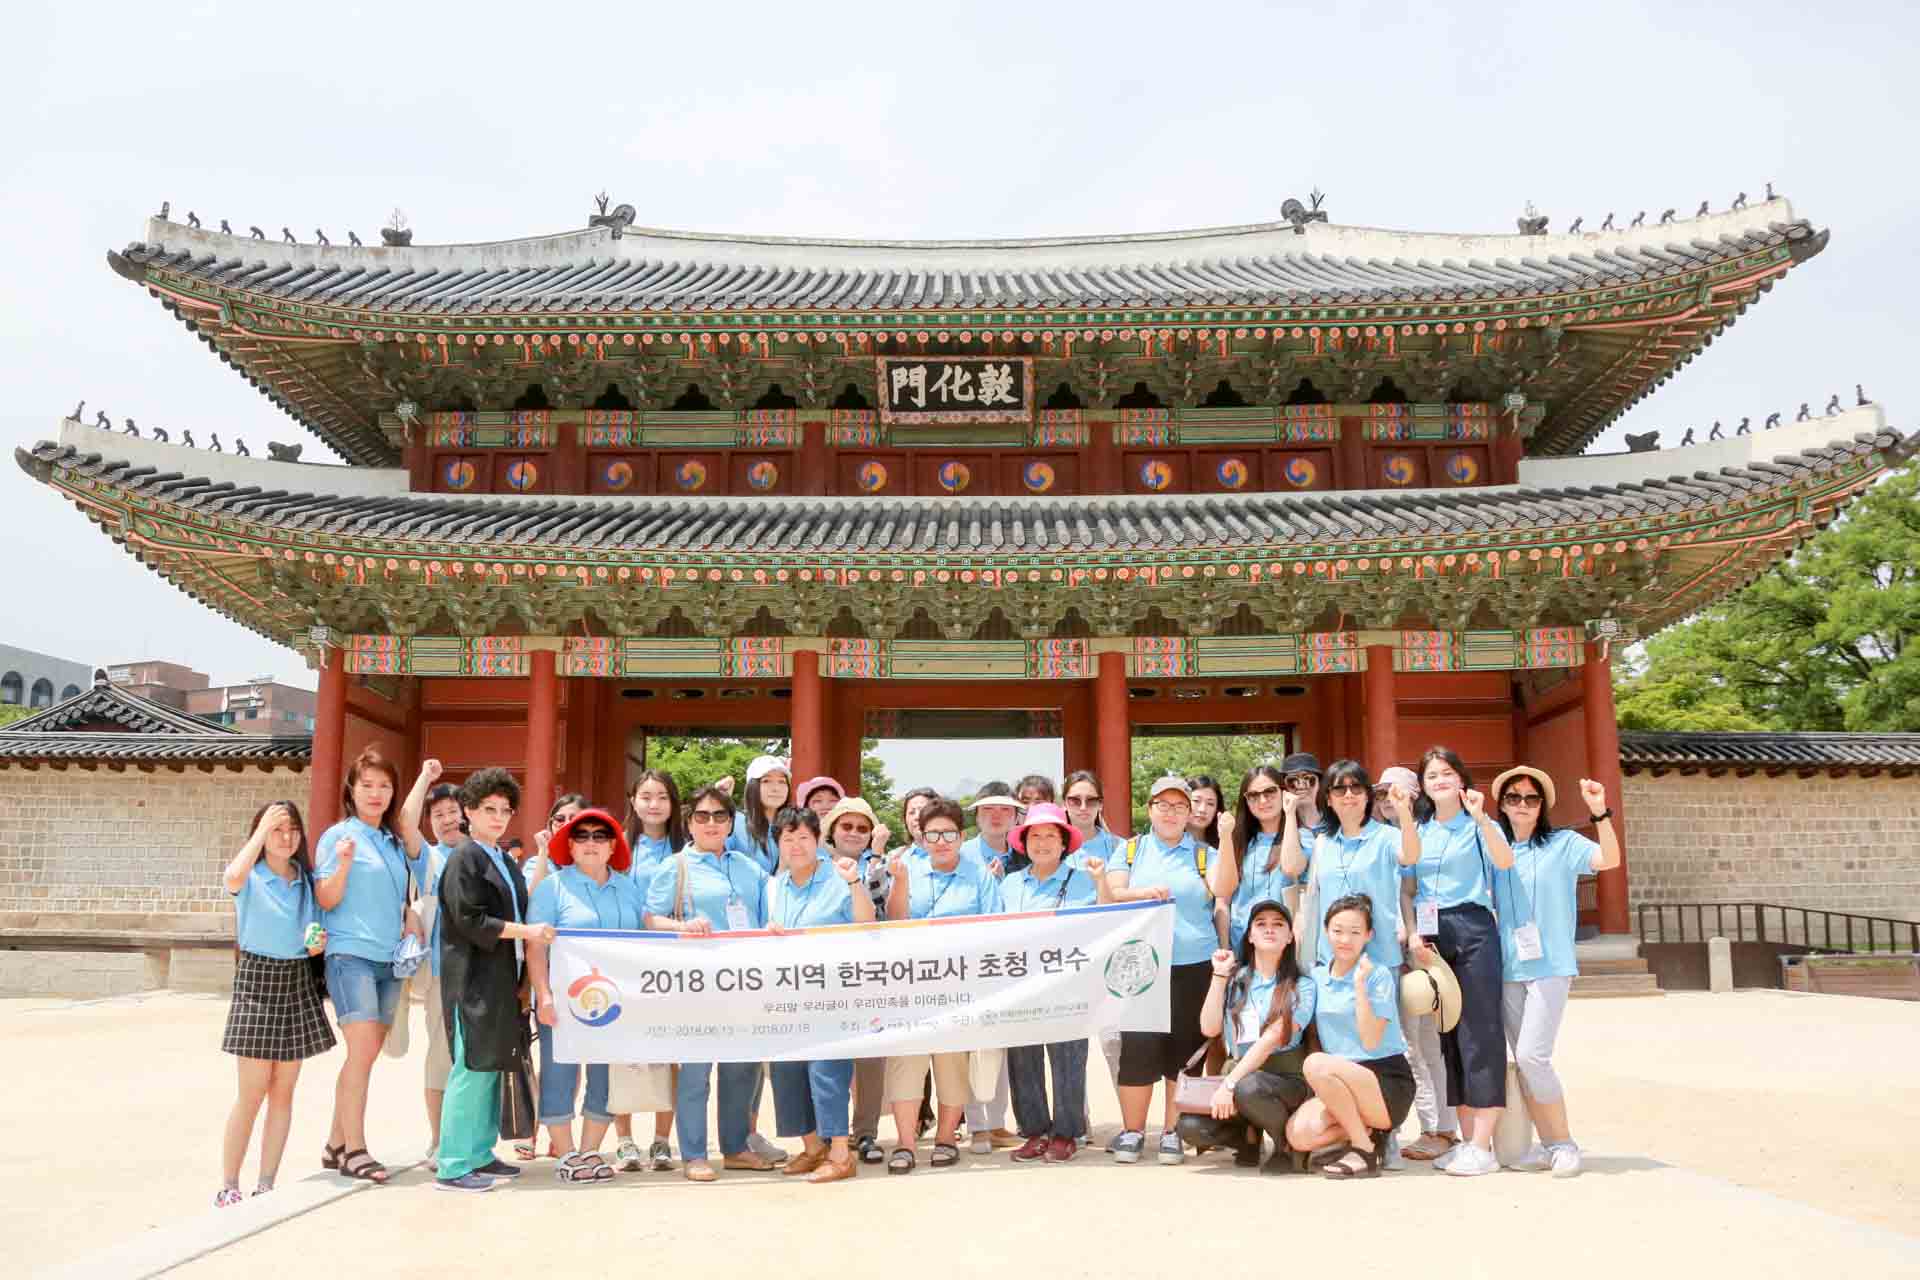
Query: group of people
(1345,949)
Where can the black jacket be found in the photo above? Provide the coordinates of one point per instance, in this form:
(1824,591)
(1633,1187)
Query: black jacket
(479,975)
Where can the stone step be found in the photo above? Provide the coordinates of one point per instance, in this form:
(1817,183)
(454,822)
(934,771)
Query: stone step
(1596,968)
(1605,985)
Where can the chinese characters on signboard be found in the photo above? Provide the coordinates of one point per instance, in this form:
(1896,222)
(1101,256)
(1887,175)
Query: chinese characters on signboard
(956,389)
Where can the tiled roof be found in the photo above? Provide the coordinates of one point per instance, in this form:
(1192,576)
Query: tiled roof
(991,526)
(1770,751)
(132,712)
(666,271)
(155,748)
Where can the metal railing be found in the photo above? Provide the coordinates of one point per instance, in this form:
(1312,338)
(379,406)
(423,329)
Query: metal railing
(1749,922)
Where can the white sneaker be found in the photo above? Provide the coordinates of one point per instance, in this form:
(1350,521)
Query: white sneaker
(1566,1160)
(1537,1160)
(1391,1158)
(1472,1162)
(627,1156)
(1448,1156)
(982,1143)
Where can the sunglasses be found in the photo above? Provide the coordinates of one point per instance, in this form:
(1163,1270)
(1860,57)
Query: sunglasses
(708,816)
(596,836)
(1263,795)
(1301,782)
(1521,800)
(1346,789)
(1082,802)
(940,837)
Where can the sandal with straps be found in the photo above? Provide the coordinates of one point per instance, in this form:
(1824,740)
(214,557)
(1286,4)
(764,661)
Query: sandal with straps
(1342,1168)
(901,1161)
(945,1155)
(576,1168)
(1327,1155)
(330,1156)
(367,1170)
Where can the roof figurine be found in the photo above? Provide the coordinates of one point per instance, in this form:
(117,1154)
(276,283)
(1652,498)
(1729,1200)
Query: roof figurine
(240,448)
(1573,228)
(1608,224)
(165,205)
(1804,413)
(1859,396)
(353,239)
(1687,439)
(1744,428)
(320,236)
(1701,212)
(1833,406)
(213,446)
(1740,202)
(256,233)
(396,234)
(1773,420)
(1715,434)
(1532,222)
(159,433)
(1300,215)
(78,410)
(619,220)
(193,219)
(226,228)
(286,233)
(1645,442)
(284,452)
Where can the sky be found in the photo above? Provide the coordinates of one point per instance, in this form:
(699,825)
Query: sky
(491,121)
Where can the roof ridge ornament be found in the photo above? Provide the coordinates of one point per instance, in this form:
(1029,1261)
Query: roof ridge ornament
(1300,215)
(1532,222)
(619,220)
(396,234)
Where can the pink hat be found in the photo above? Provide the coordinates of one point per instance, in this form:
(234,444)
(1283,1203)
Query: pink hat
(1042,815)
(805,790)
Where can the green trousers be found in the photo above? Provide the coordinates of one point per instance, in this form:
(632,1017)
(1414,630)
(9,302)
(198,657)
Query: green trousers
(469,1114)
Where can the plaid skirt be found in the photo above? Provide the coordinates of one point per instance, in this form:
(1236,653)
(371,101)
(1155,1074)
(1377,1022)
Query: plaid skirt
(276,1012)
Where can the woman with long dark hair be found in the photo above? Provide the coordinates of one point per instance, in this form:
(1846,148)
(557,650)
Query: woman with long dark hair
(1209,805)
(1454,847)
(1352,853)
(769,790)
(535,866)
(276,1020)
(1249,868)
(655,831)
(1260,1004)
(1084,801)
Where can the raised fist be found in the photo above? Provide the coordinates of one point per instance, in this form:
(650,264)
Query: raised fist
(1363,968)
(880,837)
(1594,794)
(1475,802)
(1226,820)
(847,869)
(1402,797)
(1223,965)
(431,770)
(1094,866)
(897,865)
(343,848)
(725,785)
(1289,803)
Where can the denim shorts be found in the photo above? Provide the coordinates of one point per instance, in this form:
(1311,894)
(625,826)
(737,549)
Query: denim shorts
(362,990)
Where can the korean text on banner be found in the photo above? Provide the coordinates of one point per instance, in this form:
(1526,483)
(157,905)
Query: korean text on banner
(861,991)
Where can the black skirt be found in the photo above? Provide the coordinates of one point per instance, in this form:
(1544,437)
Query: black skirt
(276,1012)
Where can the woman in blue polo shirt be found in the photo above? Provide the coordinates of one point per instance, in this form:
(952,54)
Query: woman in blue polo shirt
(655,830)
(939,885)
(1361,1080)
(445,827)
(1249,869)
(588,888)
(811,1100)
(706,888)
(1260,1005)
(1538,901)
(769,790)
(1454,846)
(1083,800)
(1352,853)
(275,1021)
(1165,864)
(364,861)
(1057,875)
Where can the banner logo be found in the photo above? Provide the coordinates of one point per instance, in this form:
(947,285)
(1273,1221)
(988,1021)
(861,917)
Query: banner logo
(1132,968)
(593,1000)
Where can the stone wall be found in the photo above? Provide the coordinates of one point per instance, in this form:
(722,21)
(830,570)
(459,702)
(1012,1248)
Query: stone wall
(99,849)
(1846,843)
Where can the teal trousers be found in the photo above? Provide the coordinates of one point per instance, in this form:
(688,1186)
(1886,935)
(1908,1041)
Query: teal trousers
(469,1114)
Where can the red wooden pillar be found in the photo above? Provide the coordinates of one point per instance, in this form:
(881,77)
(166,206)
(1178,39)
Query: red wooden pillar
(809,717)
(1382,745)
(1603,766)
(1113,742)
(1350,455)
(846,728)
(329,740)
(1076,731)
(543,731)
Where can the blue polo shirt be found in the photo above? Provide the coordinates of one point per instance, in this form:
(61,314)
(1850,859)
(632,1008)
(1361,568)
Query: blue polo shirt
(712,883)
(569,899)
(1068,886)
(648,853)
(968,890)
(740,840)
(1178,868)
(1540,888)
(271,915)
(1257,884)
(1454,864)
(978,850)
(1366,863)
(1340,1029)
(1241,1032)
(435,856)
(1101,844)
(368,920)
(824,899)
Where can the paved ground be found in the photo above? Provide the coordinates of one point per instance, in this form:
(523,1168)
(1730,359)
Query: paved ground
(1758,1132)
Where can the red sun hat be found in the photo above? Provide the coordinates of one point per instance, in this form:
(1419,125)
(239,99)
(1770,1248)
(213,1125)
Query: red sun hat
(1046,815)
(560,847)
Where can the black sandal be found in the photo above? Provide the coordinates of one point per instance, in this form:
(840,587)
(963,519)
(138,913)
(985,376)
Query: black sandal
(369,1170)
(871,1151)
(901,1161)
(945,1155)
(1327,1155)
(1369,1165)
(330,1156)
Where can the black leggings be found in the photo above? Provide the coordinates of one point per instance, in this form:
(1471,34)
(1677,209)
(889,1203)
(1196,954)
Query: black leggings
(1476,1049)
(1263,1100)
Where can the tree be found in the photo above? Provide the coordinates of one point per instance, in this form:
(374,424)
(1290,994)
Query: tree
(1825,641)
(1224,757)
(8,714)
(694,762)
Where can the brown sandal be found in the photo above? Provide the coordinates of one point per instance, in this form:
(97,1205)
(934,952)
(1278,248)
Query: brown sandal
(366,1170)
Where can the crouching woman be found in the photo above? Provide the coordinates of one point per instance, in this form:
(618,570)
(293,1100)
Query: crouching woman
(1361,1081)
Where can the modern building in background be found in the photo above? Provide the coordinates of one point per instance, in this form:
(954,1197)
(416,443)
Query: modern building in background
(29,679)
(261,705)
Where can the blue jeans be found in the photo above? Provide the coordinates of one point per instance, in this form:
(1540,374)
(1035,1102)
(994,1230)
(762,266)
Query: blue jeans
(362,990)
(690,1106)
(812,1097)
(560,1080)
(1027,1074)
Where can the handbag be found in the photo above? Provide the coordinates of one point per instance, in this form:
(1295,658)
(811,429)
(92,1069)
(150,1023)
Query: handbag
(1193,1094)
(516,1094)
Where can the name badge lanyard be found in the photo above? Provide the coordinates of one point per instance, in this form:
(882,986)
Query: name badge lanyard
(1526,937)
(1426,904)
(1061,896)
(790,897)
(951,877)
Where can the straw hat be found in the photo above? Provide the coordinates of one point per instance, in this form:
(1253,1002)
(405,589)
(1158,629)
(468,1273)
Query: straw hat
(1432,990)
(853,805)
(1540,780)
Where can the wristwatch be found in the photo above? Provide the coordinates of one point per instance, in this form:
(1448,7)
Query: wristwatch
(1603,815)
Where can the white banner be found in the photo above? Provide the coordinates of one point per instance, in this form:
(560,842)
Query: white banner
(861,991)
